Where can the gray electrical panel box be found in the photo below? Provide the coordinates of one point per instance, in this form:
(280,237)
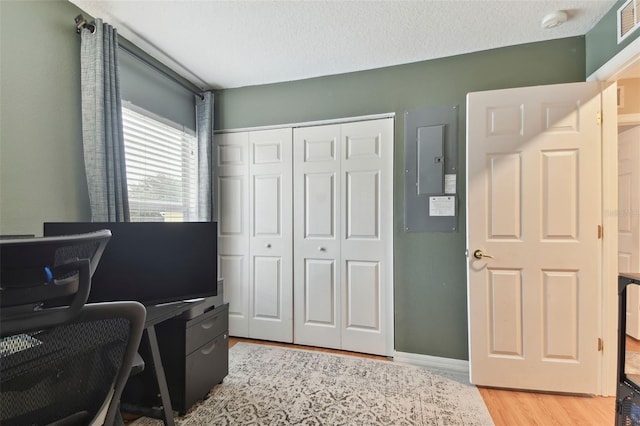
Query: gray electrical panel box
(431,161)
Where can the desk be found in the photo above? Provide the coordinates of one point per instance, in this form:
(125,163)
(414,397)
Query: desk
(156,315)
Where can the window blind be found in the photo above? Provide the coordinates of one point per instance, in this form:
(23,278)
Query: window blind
(161,163)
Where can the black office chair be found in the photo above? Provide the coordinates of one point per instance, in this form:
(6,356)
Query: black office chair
(62,361)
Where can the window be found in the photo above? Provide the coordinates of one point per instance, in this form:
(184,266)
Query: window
(162,168)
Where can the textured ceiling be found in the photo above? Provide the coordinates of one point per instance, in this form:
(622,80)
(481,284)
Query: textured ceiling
(225,44)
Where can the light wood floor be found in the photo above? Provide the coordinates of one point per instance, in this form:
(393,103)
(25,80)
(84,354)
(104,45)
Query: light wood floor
(512,408)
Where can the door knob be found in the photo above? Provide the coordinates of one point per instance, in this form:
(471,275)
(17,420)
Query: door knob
(478,254)
(322,249)
(268,245)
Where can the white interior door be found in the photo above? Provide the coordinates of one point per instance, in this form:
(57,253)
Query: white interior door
(270,243)
(232,190)
(317,241)
(534,204)
(367,230)
(628,219)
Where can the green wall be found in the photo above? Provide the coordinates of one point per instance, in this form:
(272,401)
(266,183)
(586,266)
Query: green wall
(602,42)
(41,165)
(430,268)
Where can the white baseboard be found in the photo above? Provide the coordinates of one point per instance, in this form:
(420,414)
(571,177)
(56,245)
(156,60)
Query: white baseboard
(450,364)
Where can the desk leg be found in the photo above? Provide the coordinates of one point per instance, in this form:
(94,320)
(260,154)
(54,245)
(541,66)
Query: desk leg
(160,377)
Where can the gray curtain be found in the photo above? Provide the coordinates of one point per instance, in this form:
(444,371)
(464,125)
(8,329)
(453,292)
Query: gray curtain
(204,129)
(102,125)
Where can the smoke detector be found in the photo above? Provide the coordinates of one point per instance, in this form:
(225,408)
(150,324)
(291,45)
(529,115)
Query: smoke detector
(554,19)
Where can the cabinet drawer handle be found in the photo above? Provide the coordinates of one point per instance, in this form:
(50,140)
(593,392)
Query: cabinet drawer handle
(208,325)
(207,351)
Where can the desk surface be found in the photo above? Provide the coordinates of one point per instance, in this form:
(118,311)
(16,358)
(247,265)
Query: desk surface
(158,313)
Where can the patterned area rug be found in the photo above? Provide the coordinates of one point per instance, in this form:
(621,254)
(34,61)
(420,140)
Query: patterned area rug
(270,385)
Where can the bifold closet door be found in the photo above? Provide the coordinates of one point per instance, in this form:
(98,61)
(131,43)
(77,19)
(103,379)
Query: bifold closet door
(343,264)
(317,316)
(253,182)
(367,232)
(232,191)
(270,235)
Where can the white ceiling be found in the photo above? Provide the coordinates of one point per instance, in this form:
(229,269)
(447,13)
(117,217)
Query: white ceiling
(225,44)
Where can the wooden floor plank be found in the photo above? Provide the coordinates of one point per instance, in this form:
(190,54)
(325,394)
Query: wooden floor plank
(509,407)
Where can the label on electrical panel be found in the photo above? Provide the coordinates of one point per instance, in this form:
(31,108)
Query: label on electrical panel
(442,206)
(450,184)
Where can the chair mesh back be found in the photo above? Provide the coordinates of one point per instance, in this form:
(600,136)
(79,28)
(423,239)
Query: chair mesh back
(60,372)
(27,270)
(76,251)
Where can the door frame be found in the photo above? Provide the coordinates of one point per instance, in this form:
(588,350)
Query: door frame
(608,73)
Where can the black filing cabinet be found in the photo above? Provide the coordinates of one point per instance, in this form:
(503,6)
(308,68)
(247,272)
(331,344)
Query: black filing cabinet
(195,355)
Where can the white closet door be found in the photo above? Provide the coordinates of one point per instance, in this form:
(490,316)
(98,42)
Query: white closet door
(270,242)
(343,230)
(317,316)
(367,229)
(232,189)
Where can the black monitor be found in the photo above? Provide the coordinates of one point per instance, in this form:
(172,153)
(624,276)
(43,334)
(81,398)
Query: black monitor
(151,262)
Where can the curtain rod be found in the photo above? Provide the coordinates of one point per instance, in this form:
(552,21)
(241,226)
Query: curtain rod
(82,23)
(159,69)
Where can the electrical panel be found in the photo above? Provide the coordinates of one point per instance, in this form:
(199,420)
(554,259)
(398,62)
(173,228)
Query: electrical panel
(431,162)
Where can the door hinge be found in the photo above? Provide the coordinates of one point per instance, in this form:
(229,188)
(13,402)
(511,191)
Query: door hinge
(600,344)
(599,118)
(600,232)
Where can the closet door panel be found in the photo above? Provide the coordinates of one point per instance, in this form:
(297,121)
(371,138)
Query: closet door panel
(271,240)
(267,280)
(232,188)
(362,205)
(234,270)
(363,288)
(232,192)
(267,204)
(319,204)
(320,293)
(317,314)
(367,244)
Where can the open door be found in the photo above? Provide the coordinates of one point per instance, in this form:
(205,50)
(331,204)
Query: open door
(534,212)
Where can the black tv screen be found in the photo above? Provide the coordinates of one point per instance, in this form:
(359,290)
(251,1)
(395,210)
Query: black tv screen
(151,262)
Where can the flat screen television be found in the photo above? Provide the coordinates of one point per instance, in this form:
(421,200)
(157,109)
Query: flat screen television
(151,262)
